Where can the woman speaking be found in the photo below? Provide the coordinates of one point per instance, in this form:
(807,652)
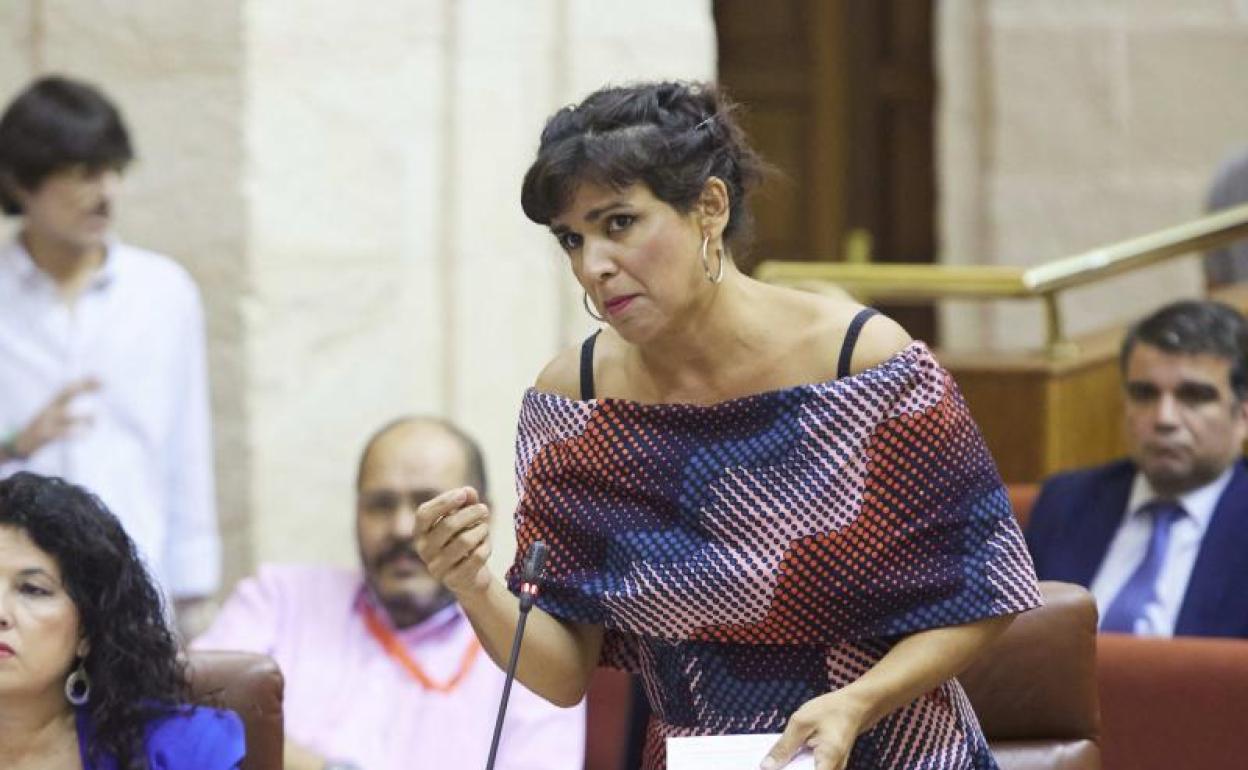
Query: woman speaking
(772,505)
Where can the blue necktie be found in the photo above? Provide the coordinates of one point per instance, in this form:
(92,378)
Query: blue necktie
(1140,590)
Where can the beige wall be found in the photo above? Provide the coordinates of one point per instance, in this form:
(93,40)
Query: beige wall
(343,181)
(1067,124)
(176,69)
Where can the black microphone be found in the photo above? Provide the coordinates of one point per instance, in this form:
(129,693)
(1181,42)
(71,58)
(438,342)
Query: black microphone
(531,574)
(530,584)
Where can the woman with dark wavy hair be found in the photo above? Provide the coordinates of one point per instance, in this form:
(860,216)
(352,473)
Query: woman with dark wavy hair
(89,671)
(772,505)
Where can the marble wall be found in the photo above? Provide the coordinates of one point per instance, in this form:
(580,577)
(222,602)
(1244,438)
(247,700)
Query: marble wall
(176,68)
(343,181)
(1068,124)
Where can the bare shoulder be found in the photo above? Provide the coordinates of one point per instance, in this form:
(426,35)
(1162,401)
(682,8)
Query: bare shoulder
(830,318)
(562,375)
(881,338)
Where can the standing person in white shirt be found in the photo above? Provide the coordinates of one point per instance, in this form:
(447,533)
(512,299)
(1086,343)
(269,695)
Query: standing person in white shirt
(102,364)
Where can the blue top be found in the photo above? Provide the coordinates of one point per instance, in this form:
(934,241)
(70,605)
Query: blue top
(195,738)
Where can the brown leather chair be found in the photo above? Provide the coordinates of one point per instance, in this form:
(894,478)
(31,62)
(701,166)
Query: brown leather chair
(1035,689)
(1173,703)
(1022,498)
(608,711)
(250,685)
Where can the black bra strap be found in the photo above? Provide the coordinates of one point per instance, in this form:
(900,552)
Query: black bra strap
(587,366)
(851,339)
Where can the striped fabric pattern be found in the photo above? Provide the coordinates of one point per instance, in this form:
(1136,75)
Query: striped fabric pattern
(748,556)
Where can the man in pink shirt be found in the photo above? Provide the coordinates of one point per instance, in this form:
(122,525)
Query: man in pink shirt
(382,669)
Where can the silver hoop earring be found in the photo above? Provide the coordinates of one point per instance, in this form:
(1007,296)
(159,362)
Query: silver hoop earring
(706,263)
(590,308)
(78,686)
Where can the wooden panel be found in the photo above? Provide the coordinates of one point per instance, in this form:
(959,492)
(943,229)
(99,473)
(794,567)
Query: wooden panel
(1040,422)
(785,62)
(892,170)
(828,189)
(839,97)
(1087,425)
(1040,416)
(778,213)
(1011,411)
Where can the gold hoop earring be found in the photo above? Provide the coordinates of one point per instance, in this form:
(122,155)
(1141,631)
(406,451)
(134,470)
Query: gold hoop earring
(590,308)
(706,263)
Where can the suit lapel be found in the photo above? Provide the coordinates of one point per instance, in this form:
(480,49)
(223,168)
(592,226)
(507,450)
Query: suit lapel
(1098,522)
(1222,561)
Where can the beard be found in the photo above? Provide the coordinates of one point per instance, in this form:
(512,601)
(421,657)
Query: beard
(416,598)
(1174,479)
(407,610)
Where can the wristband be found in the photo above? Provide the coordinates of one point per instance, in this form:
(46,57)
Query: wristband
(8,449)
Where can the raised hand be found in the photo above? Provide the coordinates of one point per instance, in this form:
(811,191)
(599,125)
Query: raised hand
(453,539)
(55,420)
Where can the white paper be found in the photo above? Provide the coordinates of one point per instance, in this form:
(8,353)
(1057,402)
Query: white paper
(728,752)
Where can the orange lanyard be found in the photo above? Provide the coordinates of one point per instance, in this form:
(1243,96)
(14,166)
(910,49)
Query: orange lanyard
(386,638)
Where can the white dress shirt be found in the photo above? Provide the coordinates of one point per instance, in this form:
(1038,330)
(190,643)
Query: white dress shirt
(1130,543)
(137,328)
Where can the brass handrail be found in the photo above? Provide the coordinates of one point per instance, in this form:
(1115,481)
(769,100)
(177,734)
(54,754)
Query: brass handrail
(932,282)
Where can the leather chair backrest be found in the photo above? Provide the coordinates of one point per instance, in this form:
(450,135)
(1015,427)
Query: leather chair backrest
(1022,498)
(1173,703)
(608,719)
(250,685)
(1035,689)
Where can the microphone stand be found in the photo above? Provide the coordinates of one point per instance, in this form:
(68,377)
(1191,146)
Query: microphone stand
(530,584)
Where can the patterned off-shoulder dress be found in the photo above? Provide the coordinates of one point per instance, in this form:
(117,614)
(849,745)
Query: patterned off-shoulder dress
(748,556)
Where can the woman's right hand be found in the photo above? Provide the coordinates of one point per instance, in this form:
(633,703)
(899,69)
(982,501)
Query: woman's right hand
(453,540)
(451,537)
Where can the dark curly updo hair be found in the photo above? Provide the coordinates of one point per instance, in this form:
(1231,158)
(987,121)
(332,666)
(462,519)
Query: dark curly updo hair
(136,675)
(671,136)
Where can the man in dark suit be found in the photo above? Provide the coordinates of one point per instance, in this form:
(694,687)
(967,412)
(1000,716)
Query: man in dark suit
(1161,538)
